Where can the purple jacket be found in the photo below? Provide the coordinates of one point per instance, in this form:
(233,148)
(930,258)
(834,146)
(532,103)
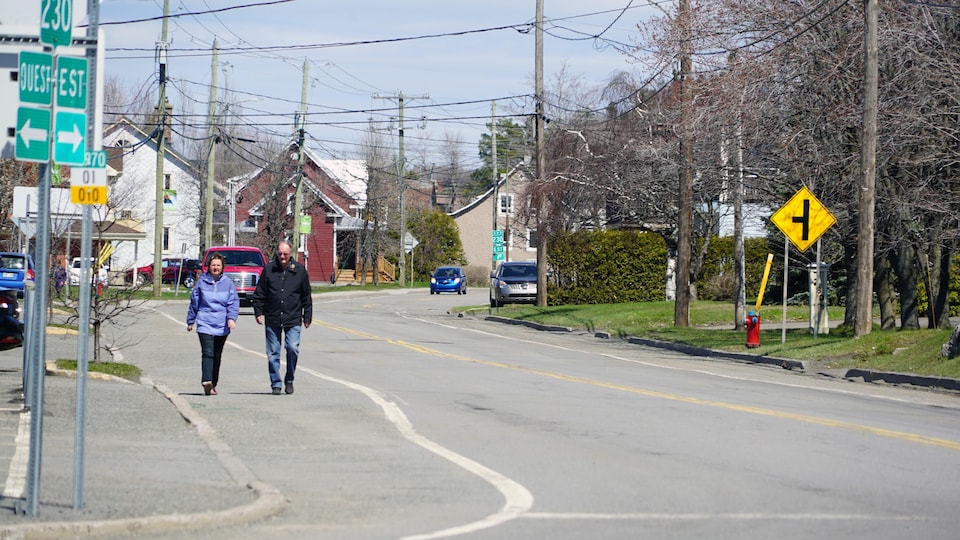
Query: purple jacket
(212,304)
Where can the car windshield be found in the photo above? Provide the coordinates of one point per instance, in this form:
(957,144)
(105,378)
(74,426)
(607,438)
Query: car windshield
(520,271)
(447,272)
(15,263)
(241,258)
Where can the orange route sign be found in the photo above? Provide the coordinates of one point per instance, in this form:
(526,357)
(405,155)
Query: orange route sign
(803,219)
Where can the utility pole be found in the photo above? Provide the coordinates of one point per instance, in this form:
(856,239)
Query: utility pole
(301,119)
(211,154)
(496,182)
(540,165)
(864,313)
(401,178)
(681,306)
(161,131)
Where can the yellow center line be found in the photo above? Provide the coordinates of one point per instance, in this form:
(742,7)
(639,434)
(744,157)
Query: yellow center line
(827,422)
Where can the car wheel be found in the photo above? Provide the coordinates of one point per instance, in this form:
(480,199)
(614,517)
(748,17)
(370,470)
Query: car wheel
(189,282)
(141,280)
(494,303)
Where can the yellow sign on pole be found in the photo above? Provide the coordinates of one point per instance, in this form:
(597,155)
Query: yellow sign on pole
(803,219)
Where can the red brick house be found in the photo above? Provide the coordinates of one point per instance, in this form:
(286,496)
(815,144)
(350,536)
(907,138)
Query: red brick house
(333,196)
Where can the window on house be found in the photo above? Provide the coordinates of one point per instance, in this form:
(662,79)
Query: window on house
(125,214)
(506,204)
(532,239)
(166,238)
(167,182)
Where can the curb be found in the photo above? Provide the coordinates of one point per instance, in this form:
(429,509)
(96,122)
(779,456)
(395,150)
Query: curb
(269,500)
(922,381)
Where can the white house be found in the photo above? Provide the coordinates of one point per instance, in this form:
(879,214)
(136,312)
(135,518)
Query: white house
(132,196)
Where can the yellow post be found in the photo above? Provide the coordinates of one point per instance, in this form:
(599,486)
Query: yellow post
(763,284)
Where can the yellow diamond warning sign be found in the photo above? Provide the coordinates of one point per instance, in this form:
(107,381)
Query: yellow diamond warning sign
(803,219)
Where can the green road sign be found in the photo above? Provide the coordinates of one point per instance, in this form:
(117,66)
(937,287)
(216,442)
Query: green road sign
(72,82)
(33,128)
(497,235)
(498,256)
(34,77)
(56,22)
(69,137)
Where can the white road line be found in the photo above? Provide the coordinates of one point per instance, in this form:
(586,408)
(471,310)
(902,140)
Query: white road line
(17,476)
(656,516)
(517,498)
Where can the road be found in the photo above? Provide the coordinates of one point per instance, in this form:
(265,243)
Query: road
(408,422)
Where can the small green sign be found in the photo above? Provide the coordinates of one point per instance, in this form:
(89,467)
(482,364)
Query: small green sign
(72,82)
(70,135)
(33,130)
(56,22)
(306,224)
(34,76)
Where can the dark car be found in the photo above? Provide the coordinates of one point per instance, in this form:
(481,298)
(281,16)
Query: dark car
(513,282)
(184,271)
(448,279)
(11,329)
(15,270)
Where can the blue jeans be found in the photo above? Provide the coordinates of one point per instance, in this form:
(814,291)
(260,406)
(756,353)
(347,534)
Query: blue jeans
(211,351)
(291,343)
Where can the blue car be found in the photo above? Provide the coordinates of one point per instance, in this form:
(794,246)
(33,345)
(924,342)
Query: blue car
(11,328)
(448,279)
(15,269)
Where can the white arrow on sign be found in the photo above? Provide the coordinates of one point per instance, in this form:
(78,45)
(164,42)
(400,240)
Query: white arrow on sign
(28,134)
(74,137)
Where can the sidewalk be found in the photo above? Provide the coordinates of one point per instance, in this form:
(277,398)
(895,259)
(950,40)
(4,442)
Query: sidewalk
(145,468)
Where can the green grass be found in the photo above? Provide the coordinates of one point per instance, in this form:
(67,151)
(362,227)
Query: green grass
(902,351)
(117,369)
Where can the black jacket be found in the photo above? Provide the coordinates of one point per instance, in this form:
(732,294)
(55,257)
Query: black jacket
(283,295)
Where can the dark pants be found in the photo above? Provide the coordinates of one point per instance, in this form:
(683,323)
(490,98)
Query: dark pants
(211,349)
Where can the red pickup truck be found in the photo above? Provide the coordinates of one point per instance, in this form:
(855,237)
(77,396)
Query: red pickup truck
(242,264)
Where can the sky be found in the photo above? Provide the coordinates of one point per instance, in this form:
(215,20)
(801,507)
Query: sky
(361,55)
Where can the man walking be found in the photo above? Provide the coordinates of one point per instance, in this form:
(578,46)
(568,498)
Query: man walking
(281,303)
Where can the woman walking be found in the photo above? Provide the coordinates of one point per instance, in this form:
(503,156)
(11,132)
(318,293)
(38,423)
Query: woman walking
(214,308)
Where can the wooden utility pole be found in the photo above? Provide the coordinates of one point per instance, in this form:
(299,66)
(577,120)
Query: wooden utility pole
(868,157)
(161,132)
(298,195)
(681,306)
(211,154)
(541,166)
(496,185)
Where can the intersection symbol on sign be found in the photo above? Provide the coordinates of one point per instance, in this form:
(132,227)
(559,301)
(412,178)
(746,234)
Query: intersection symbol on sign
(803,219)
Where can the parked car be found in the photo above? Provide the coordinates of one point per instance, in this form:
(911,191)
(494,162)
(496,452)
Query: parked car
(11,328)
(448,279)
(514,282)
(242,264)
(184,271)
(100,275)
(15,270)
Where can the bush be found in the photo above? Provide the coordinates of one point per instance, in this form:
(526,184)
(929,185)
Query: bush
(607,267)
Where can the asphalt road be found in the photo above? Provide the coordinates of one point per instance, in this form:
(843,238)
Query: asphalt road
(408,422)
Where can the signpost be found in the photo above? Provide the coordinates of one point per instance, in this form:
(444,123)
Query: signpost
(499,248)
(803,219)
(88,185)
(56,22)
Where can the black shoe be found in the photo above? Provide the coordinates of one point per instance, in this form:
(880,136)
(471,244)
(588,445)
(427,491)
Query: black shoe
(276,390)
(288,388)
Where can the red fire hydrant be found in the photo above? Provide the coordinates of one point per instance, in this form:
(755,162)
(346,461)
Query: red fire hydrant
(752,323)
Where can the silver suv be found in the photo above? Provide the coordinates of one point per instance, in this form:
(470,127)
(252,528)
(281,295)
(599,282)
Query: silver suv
(514,282)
